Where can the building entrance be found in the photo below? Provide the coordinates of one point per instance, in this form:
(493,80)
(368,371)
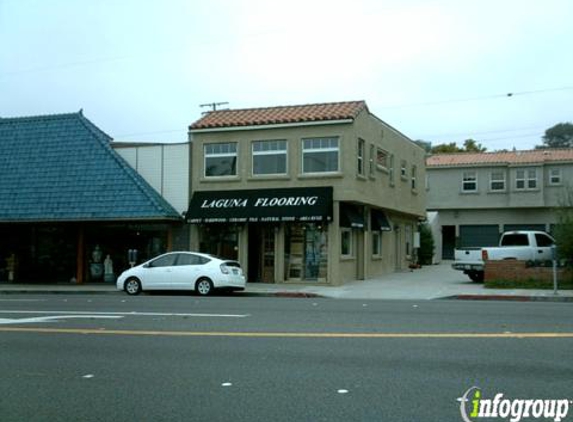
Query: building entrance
(261,254)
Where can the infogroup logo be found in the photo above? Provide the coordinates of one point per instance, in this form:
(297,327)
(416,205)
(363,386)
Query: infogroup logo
(474,406)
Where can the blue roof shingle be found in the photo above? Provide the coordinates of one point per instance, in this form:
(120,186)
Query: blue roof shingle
(62,168)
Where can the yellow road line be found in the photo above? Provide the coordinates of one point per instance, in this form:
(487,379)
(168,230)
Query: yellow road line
(280,334)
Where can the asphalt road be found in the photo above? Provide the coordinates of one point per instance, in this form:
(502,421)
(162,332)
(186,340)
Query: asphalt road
(185,358)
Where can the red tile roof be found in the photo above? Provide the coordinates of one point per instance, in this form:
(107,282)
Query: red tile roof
(537,156)
(280,115)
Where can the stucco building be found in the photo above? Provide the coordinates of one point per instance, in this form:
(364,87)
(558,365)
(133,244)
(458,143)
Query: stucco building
(473,197)
(320,193)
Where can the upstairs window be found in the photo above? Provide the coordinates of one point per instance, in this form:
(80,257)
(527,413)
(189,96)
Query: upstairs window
(555,177)
(381,159)
(220,159)
(403,170)
(269,157)
(469,181)
(526,179)
(414,177)
(320,155)
(497,181)
(360,157)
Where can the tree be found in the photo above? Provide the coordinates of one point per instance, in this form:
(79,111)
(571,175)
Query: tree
(564,229)
(558,136)
(470,145)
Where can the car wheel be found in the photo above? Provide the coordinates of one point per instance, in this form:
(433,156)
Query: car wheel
(204,287)
(476,276)
(132,286)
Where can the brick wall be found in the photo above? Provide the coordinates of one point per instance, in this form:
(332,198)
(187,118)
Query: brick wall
(513,270)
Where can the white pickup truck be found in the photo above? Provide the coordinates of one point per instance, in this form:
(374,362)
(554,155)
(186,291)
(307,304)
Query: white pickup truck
(521,245)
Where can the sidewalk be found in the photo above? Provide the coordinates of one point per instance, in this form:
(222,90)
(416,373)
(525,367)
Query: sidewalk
(432,282)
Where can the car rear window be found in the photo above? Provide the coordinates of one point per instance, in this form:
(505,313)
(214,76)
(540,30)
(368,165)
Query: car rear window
(514,240)
(232,264)
(190,259)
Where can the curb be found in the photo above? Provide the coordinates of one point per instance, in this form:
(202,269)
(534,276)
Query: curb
(512,298)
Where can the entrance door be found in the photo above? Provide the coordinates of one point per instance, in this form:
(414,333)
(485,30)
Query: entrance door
(448,241)
(261,254)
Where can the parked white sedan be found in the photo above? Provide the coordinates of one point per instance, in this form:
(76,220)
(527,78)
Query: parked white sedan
(183,271)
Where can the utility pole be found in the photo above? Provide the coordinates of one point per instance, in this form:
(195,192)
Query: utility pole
(213,106)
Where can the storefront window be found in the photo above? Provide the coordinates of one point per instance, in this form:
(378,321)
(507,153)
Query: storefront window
(346,242)
(376,243)
(220,240)
(306,252)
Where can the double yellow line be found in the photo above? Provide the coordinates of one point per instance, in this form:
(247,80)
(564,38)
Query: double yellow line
(254,334)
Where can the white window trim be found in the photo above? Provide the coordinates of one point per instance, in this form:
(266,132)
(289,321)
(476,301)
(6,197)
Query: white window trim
(492,181)
(275,152)
(220,155)
(360,153)
(559,175)
(464,181)
(526,179)
(315,150)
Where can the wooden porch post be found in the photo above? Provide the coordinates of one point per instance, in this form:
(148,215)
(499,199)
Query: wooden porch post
(80,256)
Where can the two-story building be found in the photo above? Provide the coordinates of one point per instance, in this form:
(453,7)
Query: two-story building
(320,193)
(477,196)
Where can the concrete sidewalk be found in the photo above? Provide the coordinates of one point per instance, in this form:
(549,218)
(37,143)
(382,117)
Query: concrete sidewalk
(432,282)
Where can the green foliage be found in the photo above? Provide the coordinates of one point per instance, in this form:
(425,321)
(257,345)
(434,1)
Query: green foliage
(470,145)
(564,229)
(427,246)
(558,136)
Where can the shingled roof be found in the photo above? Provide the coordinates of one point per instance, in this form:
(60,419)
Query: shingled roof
(280,115)
(538,156)
(62,168)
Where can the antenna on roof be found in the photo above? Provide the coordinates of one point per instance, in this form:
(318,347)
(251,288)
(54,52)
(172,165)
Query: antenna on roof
(213,106)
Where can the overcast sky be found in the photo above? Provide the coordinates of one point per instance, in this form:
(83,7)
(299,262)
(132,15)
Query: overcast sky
(437,70)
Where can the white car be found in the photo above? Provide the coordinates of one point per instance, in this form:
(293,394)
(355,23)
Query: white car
(183,271)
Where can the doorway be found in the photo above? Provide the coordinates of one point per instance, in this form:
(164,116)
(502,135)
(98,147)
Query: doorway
(261,254)
(448,241)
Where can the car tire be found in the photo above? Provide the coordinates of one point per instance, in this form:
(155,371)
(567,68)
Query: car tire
(476,276)
(132,286)
(204,287)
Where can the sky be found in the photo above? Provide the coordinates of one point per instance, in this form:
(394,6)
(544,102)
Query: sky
(497,71)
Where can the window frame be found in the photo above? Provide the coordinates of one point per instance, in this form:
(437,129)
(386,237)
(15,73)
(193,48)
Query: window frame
(376,243)
(559,177)
(360,153)
(275,152)
(414,172)
(503,181)
(466,180)
(305,151)
(346,231)
(224,154)
(526,179)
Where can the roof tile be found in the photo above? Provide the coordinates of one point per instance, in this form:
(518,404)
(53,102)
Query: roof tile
(538,156)
(279,115)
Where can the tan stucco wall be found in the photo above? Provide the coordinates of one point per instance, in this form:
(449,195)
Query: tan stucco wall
(403,205)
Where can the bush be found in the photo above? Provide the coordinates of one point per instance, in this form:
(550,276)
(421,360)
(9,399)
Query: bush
(426,252)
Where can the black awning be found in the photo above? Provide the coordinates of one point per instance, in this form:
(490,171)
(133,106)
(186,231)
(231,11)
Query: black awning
(261,205)
(379,221)
(351,216)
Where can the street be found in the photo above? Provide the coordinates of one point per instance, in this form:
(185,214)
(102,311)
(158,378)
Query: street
(188,358)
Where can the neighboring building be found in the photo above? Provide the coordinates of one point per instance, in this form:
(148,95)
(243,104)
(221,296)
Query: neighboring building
(68,200)
(480,195)
(165,166)
(322,193)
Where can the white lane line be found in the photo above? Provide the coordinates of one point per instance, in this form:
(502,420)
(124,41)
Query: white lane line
(7,321)
(134,313)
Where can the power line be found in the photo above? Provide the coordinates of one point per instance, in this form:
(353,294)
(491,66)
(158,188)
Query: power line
(485,97)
